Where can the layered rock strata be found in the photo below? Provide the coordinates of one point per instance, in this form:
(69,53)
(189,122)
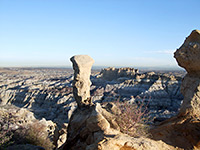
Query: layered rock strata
(159,90)
(48,92)
(114,73)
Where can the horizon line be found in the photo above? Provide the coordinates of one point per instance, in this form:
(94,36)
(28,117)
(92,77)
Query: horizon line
(101,67)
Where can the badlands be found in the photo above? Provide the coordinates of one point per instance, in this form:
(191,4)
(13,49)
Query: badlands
(70,103)
(46,93)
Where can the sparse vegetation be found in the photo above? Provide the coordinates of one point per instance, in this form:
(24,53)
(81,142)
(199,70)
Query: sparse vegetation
(11,133)
(34,134)
(6,133)
(133,118)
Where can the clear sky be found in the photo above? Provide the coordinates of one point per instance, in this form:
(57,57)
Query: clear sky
(130,33)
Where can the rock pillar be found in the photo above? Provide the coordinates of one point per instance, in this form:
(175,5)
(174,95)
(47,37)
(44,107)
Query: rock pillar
(188,57)
(82,65)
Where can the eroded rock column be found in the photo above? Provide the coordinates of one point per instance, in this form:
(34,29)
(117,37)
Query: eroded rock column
(188,57)
(82,65)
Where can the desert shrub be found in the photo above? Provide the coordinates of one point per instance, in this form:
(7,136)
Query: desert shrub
(12,133)
(34,134)
(133,118)
(6,133)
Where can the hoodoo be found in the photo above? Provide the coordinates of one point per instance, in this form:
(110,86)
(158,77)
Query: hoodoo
(82,65)
(92,126)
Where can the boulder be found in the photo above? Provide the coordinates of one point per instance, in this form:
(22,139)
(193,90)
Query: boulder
(188,54)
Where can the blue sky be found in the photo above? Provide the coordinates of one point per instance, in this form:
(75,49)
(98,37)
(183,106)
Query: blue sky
(113,32)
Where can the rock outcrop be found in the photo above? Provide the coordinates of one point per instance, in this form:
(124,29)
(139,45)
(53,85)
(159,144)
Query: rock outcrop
(92,127)
(183,130)
(188,54)
(82,65)
(114,73)
(188,57)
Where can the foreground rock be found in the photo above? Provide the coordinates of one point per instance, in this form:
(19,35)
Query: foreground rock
(183,130)
(94,128)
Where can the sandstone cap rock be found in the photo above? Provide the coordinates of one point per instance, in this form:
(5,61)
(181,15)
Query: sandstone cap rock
(82,60)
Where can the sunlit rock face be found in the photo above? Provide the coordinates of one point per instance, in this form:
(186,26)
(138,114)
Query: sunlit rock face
(82,65)
(188,57)
(188,54)
(183,130)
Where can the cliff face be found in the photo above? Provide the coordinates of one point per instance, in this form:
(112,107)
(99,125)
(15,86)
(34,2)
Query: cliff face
(115,73)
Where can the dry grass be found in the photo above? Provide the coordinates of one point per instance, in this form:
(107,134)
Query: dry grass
(11,133)
(34,134)
(133,119)
(6,133)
